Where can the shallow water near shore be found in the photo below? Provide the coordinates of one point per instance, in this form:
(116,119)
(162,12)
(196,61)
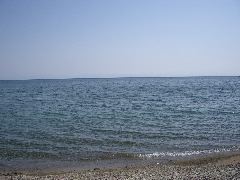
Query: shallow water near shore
(43,168)
(92,120)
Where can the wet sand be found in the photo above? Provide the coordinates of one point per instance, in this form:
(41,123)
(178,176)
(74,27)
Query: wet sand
(214,167)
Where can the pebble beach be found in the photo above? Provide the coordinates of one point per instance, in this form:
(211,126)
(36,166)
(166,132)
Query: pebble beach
(227,167)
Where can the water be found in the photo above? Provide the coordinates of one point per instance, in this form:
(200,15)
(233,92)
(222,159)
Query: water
(99,119)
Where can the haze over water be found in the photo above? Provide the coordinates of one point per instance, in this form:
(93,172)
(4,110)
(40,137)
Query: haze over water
(90,119)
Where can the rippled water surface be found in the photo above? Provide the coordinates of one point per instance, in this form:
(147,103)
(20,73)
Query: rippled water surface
(89,119)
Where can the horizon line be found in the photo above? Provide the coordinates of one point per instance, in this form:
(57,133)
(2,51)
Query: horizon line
(120,77)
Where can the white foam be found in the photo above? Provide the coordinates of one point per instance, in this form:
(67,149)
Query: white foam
(182,154)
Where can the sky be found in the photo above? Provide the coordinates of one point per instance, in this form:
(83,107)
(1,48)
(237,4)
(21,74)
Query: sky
(119,38)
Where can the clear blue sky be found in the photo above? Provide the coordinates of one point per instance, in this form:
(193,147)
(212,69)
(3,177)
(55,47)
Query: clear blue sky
(112,38)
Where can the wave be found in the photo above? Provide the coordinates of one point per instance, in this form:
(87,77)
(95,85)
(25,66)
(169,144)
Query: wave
(186,153)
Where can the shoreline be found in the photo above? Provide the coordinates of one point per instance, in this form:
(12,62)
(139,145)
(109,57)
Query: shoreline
(220,166)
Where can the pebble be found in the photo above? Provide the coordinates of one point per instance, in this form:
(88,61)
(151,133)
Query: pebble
(208,171)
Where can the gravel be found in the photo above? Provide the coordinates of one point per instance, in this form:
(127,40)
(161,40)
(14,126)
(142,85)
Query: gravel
(221,169)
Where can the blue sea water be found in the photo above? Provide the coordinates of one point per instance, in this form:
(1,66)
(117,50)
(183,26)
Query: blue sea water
(94,119)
